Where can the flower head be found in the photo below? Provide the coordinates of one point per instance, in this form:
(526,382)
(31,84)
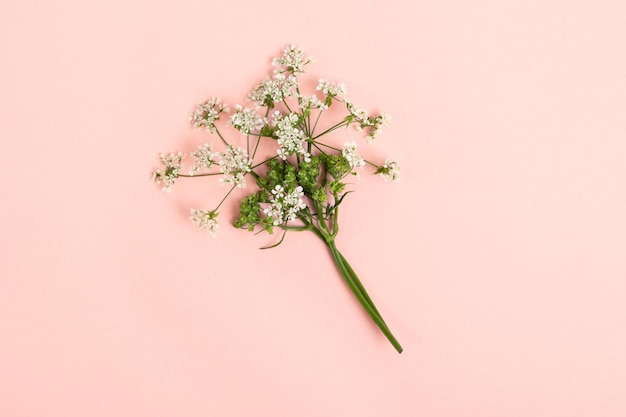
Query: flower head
(330,88)
(203,158)
(207,113)
(349,152)
(285,205)
(205,220)
(375,126)
(235,164)
(290,138)
(389,171)
(292,60)
(363,121)
(273,90)
(246,120)
(311,102)
(167,175)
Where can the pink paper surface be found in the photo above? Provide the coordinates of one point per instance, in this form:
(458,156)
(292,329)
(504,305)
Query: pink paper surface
(498,261)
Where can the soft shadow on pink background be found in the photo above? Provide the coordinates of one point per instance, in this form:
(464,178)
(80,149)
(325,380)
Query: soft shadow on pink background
(498,261)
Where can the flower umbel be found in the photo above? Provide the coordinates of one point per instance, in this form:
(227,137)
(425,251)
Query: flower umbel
(389,171)
(353,158)
(290,143)
(293,60)
(172,164)
(235,164)
(285,206)
(203,159)
(289,135)
(331,89)
(205,220)
(207,113)
(273,90)
(246,120)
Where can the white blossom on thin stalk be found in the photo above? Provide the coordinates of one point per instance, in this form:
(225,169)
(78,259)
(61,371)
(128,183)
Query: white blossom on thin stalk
(363,121)
(289,137)
(354,159)
(172,165)
(246,120)
(331,88)
(358,114)
(274,90)
(376,125)
(312,102)
(293,60)
(203,158)
(285,206)
(205,220)
(207,113)
(235,164)
(389,171)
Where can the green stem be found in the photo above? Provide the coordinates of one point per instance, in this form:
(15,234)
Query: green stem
(357,282)
(316,120)
(359,292)
(330,129)
(221,137)
(225,197)
(210,174)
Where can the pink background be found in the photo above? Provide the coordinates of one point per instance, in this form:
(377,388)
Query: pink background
(498,261)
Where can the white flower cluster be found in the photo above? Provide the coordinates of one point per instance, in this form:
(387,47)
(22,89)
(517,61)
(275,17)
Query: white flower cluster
(203,158)
(354,159)
(235,164)
(362,119)
(172,164)
(273,90)
(376,125)
(246,120)
(207,113)
(290,137)
(293,60)
(312,102)
(285,206)
(390,171)
(205,220)
(331,88)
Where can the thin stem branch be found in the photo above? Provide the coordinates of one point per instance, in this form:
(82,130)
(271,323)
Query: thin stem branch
(330,129)
(222,137)
(316,120)
(200,175)
(264,162)
(225,197)
(340,150)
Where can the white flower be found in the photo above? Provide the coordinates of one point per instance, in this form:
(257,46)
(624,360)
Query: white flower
(363,121)
(203,158)
(331,88)
(172,164)
(246,120)
(306,102)
(289,137)
(390,171)
(349,152)
(284,206)
(235,164)
(279,192)
(273,90)
(205,220)
(358,114)
(292,60)
(376,124)
(207,113)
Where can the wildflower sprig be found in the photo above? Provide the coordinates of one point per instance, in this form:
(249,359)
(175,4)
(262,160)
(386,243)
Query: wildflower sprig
(300,186)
